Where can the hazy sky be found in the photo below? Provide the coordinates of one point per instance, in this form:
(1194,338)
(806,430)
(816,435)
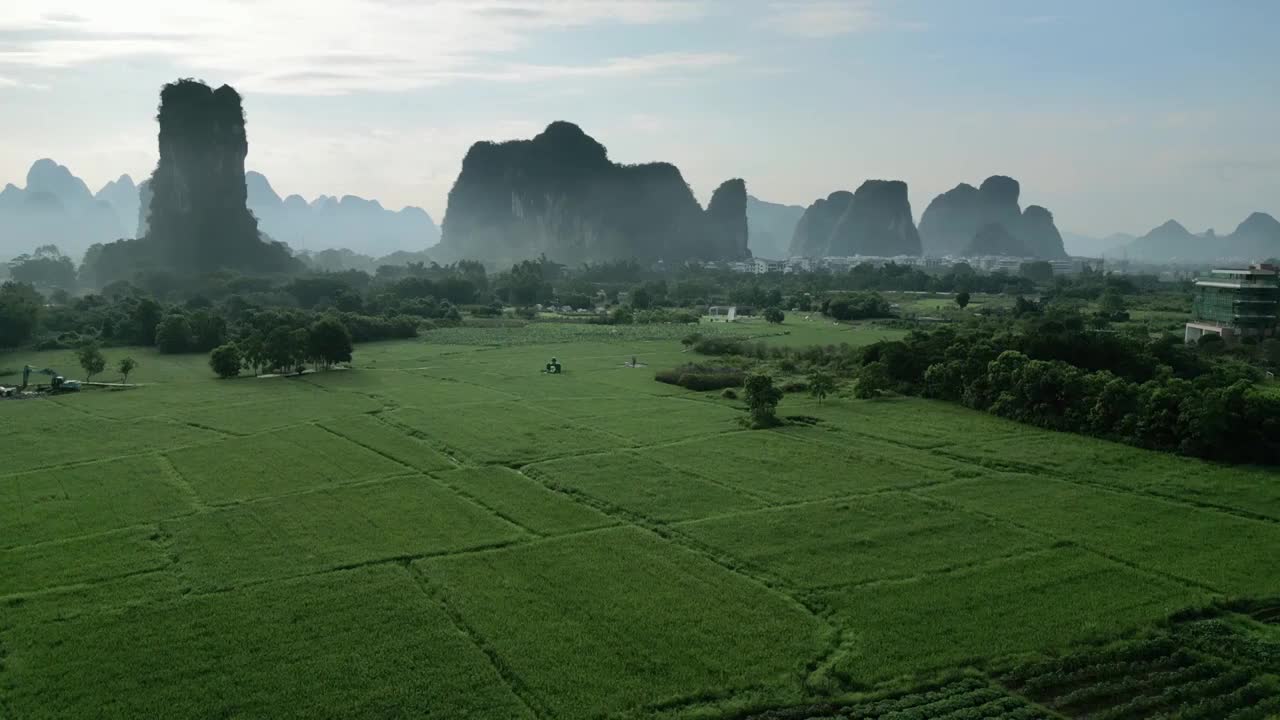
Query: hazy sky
(1115,114)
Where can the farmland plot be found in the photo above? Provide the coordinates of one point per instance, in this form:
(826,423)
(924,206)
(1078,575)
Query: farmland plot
(1202,546)
(299,458)
(331,528)
(642,486)
(1040,601)
(87,499)
(844,542)
(618,620)
(523,501)
(782,469)
(363,643)
(527,434)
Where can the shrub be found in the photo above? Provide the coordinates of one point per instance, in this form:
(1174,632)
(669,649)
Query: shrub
(774,315)
(225,360)
(701,377)
(729,394)
(762,400)
(795,386)
(718,346)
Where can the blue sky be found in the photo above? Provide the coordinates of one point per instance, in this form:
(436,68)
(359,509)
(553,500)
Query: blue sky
(1115,115)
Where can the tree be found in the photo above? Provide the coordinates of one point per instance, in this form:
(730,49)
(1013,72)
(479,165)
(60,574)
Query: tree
(762,400)
(821,384)
(1039,271)
(225,360)
(328,342)
(90,357)
(1111,302)
(774,315)
(126,366)
(873,378)
(641,298)
(19,313)
(962,299)
(173,334)
(208,330)
(285,349)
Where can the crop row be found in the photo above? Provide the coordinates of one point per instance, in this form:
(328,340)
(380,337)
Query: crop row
(960,700)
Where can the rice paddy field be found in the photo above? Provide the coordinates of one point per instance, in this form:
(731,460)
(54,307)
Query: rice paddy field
(442,531)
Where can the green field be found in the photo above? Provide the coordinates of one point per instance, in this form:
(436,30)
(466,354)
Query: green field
(444,532)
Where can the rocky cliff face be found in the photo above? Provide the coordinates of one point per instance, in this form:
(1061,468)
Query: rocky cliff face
(875,220)
(995,239)
(727,219)
(197,212)
(951,222)
(1039,234)
(196,216)
(560,195)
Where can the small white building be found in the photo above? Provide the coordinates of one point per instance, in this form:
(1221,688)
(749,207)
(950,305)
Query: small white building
(727,313)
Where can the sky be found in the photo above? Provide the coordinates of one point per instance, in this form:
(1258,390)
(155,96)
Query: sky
(1115,114)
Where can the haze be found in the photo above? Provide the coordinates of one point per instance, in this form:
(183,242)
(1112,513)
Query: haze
(1119,115)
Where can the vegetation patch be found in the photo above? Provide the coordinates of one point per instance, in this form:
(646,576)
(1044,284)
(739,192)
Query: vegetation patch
(617,620)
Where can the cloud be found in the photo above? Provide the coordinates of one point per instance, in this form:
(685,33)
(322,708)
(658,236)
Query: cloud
(823,18)
(335,46)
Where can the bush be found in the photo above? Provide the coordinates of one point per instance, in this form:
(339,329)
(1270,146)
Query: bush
(729,394)
(774,315)
(701,377)
(225,360)
(857,306)
(762,400)
(715,345)
(795,386)
(173,335)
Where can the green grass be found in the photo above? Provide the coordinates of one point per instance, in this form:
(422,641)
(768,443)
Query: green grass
(524,502)
(363,643)
(84,500)
(444,531)
(620,620)
(331,528)
(642,486)
(846,542)
(1187,542)
(94,559)
(376,436)
(299,458)
(1042,601)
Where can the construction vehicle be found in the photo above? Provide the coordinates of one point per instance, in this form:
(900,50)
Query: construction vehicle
(57,383)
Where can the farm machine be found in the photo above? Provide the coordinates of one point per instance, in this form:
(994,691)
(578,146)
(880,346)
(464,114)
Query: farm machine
(57,383)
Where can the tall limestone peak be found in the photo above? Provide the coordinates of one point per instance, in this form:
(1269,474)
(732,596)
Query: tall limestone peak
(1039,234)
(195,212)
(952,220)
(47,176)
(874,220)
(727,212)
(558,194)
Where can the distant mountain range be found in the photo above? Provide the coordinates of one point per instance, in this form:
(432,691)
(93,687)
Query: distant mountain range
(57,208)
(770,227)
(1255,239)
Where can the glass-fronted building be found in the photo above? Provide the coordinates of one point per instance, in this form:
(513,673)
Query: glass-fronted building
(1236,304)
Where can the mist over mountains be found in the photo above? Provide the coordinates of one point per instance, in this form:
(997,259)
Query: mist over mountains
(57,208)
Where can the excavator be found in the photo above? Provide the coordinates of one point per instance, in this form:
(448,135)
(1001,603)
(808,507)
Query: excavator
(57,383)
